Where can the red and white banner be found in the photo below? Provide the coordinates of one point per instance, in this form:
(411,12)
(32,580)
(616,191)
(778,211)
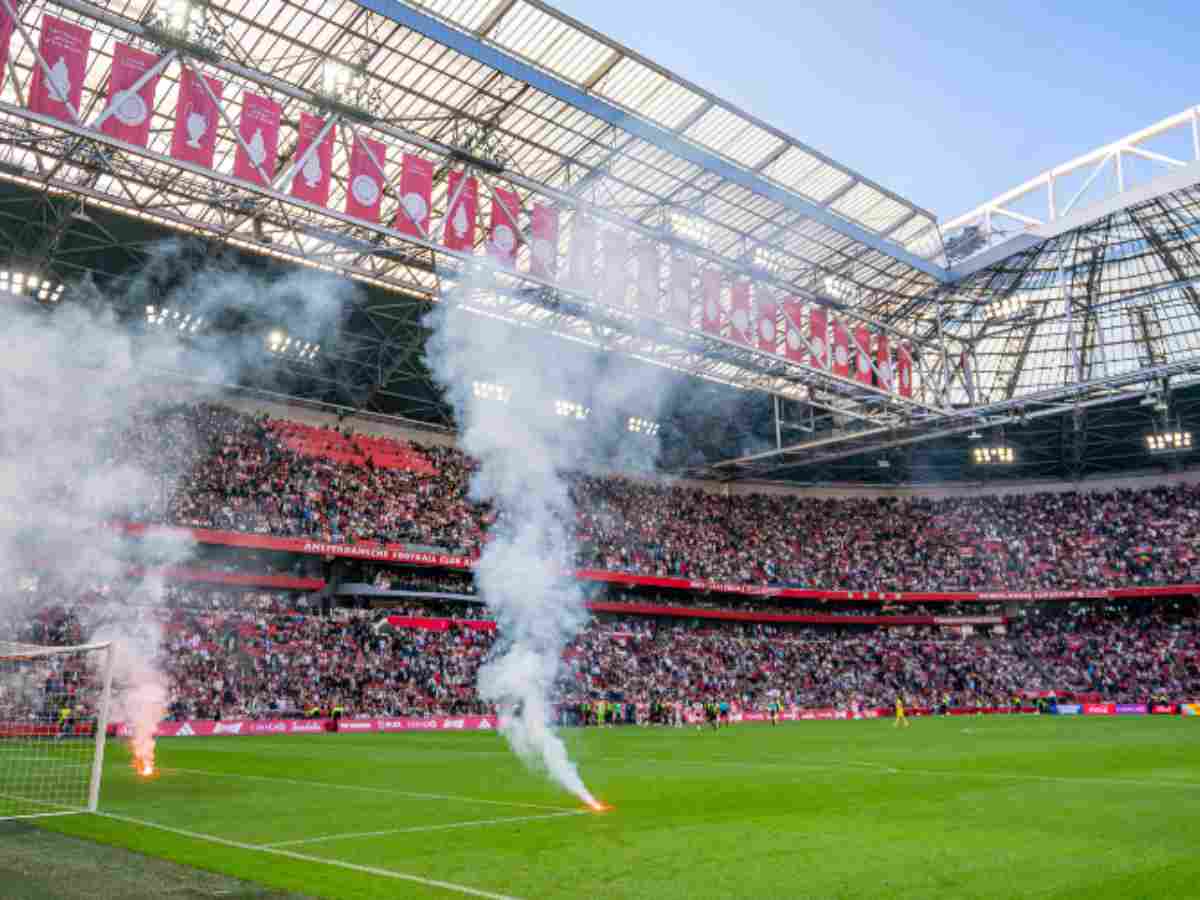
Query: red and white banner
(424,623)
(768,327)
(710,298)
(543,248)
(416,193)
(315,174)
(841,349)
(259,129)
(1099,709)
(196,116)
(459,233)
(129,111)
(861,354)
(904,370)
(648,275)
(64,46)
(615,286)
(364,193)
(883,362)
(7,27)
(740,313)
(581,256)
(679,298)
(504,230)
(818,338)
(794,346)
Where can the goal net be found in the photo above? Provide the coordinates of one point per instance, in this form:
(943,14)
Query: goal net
(53,717)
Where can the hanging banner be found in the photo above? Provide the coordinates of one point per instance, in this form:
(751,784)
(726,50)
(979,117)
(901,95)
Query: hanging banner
(904,370)
(768,333)
(416,190)
(195,137)
(841,349)
(710,297)
(616,263)
(740,313)
(364,193)
(680,295)
(862,354)
(129,119)
(259,128)
(504,231)
(459,233)
(883,362)
(64,46)
(818,338)
(648,275)
(7,27)
(312,180)
(543,249)
(793,338)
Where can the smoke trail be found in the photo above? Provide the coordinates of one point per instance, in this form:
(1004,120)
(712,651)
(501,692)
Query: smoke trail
(525,449)
(81,394)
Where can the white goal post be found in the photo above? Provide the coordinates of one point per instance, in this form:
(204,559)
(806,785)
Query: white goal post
(54,706)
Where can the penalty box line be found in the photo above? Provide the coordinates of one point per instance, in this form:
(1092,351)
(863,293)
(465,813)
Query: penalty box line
(368,789)
(304,857)
(478,823)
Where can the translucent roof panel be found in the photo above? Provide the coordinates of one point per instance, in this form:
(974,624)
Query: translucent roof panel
(548,42)
(644,91)
(733,136)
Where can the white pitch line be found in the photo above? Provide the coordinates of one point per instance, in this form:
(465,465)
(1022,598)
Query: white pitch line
(419,828)
(303,857)
(370,790)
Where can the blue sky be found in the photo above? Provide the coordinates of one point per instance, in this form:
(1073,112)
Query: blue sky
(946,103)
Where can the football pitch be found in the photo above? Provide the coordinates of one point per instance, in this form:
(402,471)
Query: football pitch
(963,807)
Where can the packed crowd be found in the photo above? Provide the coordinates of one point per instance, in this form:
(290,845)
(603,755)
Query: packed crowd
(227,470)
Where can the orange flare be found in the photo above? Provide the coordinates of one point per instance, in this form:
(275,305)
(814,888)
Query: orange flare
(597,806)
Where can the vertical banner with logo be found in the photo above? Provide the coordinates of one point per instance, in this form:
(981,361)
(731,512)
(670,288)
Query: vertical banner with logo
(364,193)
(504,230)
(904,370)
(615,284)
(313,177)
(129,116)
(195,137)
(7,26)
(259,128)
(680,296)
(862,354)
(883,362)
(793,338)
(416,191)
(768,331)
(648,275)
(818,338)
(841,349)
(459,233)
(581,256)
(543,248)
(64,46)
(710,296)
(740,313)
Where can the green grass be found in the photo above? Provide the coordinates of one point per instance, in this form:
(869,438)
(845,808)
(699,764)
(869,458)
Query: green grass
(963,808)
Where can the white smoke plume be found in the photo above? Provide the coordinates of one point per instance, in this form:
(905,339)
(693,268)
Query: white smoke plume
(525,451)
(74,382)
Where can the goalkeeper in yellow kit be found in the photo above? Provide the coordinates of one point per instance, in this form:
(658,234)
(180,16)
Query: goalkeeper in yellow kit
(901,718)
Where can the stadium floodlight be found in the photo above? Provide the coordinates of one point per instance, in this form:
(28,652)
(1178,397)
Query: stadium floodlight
(771,261)
(32,285)
(974,435)
(570,410)
(336,78)
(486,390)
(1006,308)
(56,702)
(838,288)
(280,343)
(174,319)
(638,425)
(1169,441)
(998,455)
(690,227)
(175,16)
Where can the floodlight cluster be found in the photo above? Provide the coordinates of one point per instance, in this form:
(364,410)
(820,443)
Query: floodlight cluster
(690,227)
(570,410)
(1169,441)
(1006,308)
(485,390)
(993,455)
(638,425)
(24,285)
(839,288)
(280,343)
(161,317)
